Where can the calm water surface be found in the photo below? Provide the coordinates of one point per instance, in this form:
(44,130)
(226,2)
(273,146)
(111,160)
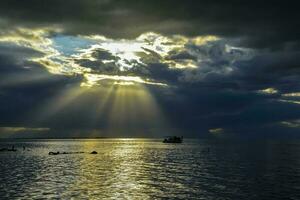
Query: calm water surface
(149,169)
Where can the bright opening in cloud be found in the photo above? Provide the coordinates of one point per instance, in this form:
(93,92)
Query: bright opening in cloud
(100,61)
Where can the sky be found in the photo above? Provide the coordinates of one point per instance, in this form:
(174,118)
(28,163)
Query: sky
(112,68)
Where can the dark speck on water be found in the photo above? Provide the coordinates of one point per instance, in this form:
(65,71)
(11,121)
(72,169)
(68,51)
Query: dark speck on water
(150,169)
(94,152)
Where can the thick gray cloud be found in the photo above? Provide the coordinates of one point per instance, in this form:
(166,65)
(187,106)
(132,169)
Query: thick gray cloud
(257,23)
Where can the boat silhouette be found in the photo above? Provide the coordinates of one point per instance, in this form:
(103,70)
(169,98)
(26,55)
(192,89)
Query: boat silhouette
(173,139)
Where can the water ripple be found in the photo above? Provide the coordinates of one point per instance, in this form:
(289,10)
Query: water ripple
(149,169)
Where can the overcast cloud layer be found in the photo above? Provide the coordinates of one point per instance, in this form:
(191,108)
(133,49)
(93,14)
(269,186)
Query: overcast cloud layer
(214,68)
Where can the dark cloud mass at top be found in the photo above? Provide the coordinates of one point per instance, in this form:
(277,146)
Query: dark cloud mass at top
(260,23)
(211,67)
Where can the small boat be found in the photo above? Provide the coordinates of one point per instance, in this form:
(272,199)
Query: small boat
(53,153)
(173,139)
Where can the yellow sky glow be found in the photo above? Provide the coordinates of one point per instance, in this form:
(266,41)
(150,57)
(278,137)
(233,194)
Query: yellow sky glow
(129,53)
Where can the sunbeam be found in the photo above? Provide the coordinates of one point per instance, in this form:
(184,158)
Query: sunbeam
(18,79)
(56,104)
(134,108)
(121,109)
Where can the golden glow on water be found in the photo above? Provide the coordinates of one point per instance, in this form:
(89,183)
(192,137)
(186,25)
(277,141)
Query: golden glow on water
(120,175)
(127,168)
(149,169)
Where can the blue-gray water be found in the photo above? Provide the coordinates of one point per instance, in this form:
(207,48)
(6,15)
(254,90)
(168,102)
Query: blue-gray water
(149,169)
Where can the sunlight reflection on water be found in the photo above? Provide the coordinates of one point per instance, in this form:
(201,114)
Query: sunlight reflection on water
(149,169)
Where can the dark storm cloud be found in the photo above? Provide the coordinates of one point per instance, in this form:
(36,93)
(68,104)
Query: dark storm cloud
(13,57)
(15,68)
(279,70)
(258,23)
(24,85)
(182,55)
(97,65)
(207,97)
(197,109)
